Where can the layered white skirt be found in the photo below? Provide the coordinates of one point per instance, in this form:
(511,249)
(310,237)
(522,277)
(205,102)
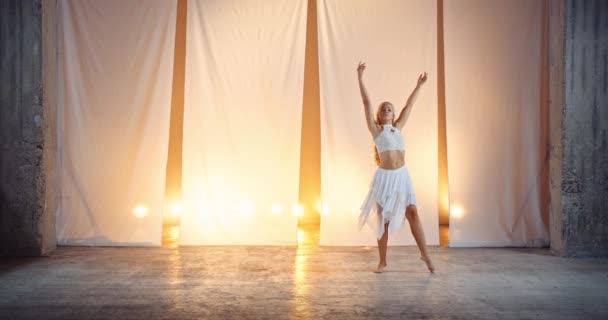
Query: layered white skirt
(390,192)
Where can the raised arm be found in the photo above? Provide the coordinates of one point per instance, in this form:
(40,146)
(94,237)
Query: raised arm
(369,112)
(405,112)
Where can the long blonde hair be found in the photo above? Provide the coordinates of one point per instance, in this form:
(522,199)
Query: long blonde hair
(376,154)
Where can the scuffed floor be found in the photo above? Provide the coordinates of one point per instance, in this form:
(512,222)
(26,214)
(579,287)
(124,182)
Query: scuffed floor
(308,282)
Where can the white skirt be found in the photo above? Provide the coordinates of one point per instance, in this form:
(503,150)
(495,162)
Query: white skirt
(390,192)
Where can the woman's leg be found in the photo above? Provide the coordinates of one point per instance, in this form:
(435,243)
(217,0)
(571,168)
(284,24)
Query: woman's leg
(382,247)
(411,213)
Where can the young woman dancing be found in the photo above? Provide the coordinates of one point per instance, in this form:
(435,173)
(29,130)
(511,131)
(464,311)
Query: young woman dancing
(391,197)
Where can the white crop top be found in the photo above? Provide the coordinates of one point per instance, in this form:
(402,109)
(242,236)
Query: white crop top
(389,139)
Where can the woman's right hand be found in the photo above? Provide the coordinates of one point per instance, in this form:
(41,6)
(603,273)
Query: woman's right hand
(360,69)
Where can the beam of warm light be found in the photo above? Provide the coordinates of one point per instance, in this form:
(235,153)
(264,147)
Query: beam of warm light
(176,209)
(323,208)
(247,208)
(300,235)
(200,205)
(170,235)
(140,211)
(456,211)
(298,210)
(277,209)
(241,211)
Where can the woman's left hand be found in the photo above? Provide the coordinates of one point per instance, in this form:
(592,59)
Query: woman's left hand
(422,78)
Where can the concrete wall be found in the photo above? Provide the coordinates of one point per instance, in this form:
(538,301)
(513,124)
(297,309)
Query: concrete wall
(26,193)
(584,185)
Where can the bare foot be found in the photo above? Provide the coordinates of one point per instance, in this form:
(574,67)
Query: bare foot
(380,268)
(428,263)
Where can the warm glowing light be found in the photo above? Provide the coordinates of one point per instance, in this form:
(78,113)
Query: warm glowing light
(277,208)
(323,208)
(176,209)
(170,235)
(247,208)
(297,210)
(140,211)
(456,211)
(200,206)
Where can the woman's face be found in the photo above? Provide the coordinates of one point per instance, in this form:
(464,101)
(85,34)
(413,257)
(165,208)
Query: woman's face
(386,113)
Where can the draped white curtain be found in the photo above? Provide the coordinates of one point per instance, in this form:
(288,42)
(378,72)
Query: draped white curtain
(115,72)
(493,95)
(397,40)
(242,121)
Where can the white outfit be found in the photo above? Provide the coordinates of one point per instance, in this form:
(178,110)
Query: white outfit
(389,139)
(391,190)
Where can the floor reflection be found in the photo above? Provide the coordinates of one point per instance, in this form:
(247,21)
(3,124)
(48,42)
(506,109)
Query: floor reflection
(308,240)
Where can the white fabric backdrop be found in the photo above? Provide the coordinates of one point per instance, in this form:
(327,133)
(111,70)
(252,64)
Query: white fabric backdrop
(397,40)
(493,59)
(116,67)
(242,121)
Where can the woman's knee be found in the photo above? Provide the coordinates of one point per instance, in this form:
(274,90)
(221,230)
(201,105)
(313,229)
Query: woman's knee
(411,213)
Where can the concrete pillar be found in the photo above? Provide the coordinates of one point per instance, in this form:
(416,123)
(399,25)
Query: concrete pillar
(579,188)
(27,127)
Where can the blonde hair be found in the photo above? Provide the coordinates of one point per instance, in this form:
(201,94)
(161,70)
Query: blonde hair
(376,154)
